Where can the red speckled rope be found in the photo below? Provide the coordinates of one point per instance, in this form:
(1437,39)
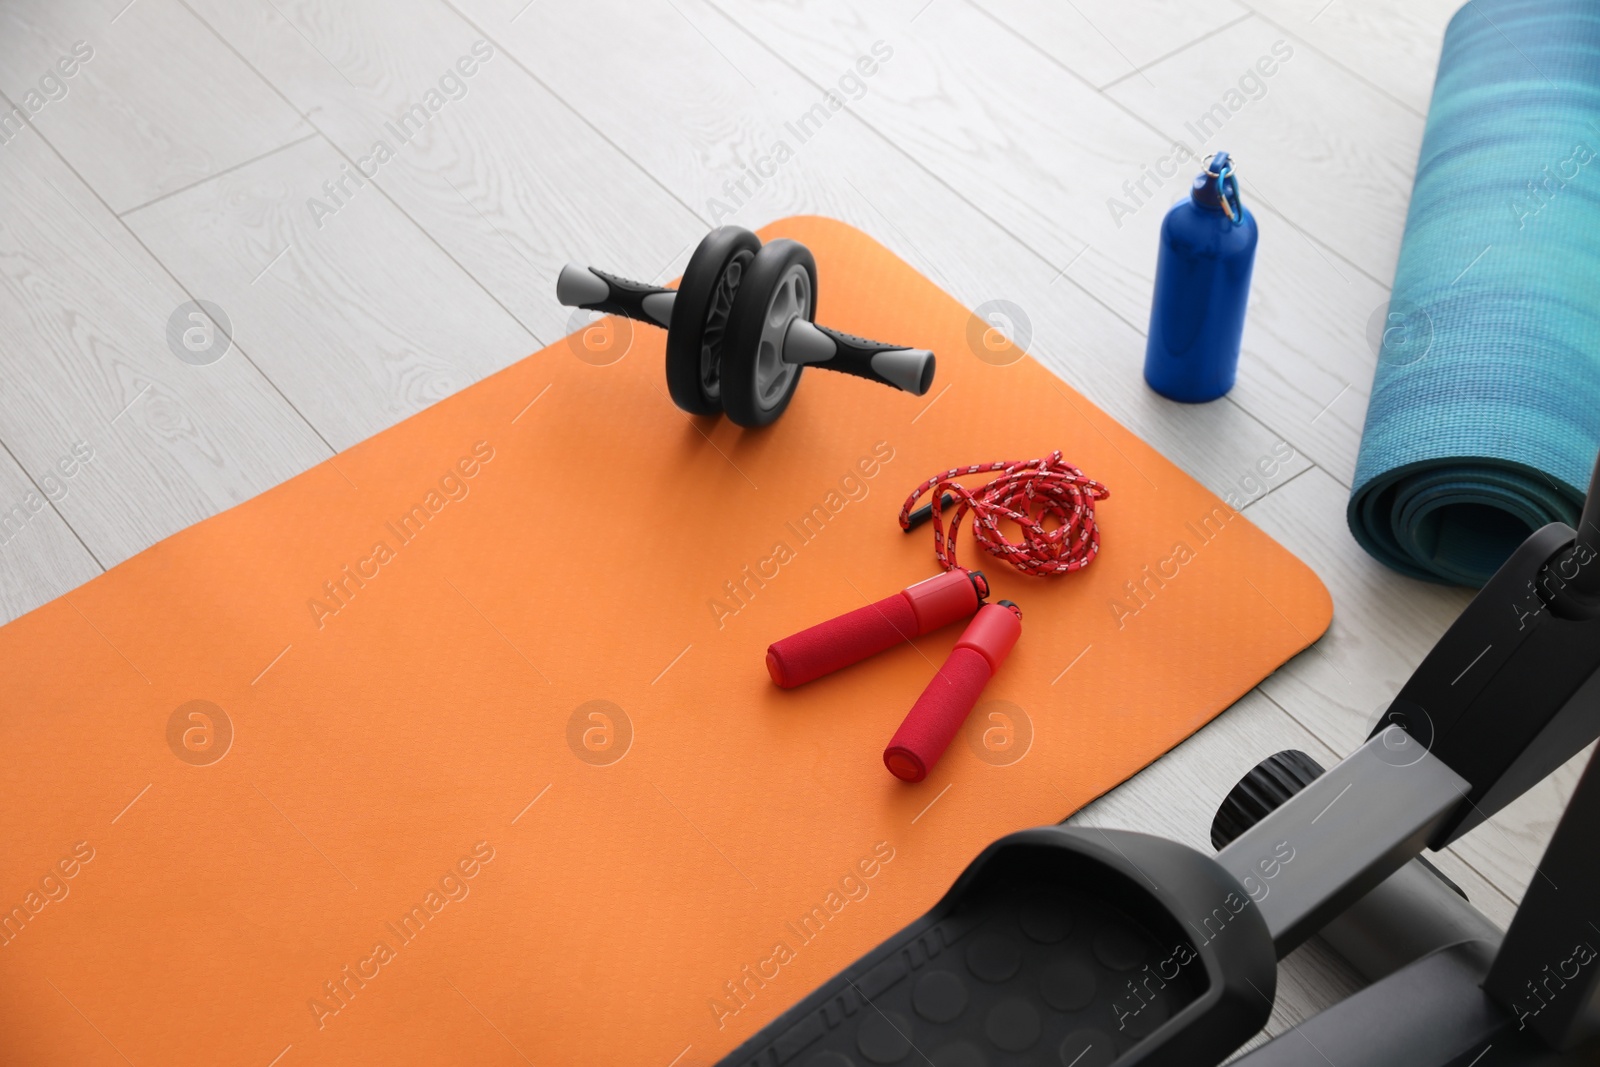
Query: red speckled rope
(1026,492)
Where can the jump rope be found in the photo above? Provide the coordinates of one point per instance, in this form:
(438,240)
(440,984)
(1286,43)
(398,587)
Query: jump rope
(1052,504)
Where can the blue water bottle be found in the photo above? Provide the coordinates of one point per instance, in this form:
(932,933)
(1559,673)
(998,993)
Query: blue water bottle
(1208,247)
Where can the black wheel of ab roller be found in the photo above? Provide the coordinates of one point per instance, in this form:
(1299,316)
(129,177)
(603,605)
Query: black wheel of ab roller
(699,321)
(779,286)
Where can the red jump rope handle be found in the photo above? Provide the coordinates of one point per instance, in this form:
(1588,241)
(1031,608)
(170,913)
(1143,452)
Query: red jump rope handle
(937,715)
(856,635)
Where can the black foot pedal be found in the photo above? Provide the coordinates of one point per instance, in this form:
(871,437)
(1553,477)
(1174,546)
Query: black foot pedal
(1052,948)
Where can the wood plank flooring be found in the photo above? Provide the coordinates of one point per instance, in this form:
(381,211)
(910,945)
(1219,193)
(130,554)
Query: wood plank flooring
(222,151)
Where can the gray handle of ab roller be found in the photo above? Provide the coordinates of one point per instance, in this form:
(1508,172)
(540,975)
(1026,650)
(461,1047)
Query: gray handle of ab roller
(907,369)
(584,287)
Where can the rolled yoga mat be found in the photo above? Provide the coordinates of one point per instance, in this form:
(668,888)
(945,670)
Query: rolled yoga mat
(1485,410)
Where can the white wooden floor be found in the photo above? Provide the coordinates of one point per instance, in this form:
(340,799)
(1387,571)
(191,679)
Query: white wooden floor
(986,147)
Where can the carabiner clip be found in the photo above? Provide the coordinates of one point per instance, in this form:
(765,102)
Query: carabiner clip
(1227,189)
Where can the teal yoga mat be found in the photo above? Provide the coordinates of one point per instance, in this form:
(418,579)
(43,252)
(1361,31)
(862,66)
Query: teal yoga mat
(1485,411)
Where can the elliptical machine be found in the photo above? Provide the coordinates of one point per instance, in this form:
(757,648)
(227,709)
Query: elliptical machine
(1449,987)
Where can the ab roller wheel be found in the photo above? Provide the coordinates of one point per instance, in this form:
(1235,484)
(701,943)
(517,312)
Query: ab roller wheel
(783,288)
(699,320)
(740,329)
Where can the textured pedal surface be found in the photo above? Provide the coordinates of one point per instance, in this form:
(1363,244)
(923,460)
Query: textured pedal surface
(1028,972)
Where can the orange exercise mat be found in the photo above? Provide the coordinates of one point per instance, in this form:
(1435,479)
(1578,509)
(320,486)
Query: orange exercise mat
(460,747)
